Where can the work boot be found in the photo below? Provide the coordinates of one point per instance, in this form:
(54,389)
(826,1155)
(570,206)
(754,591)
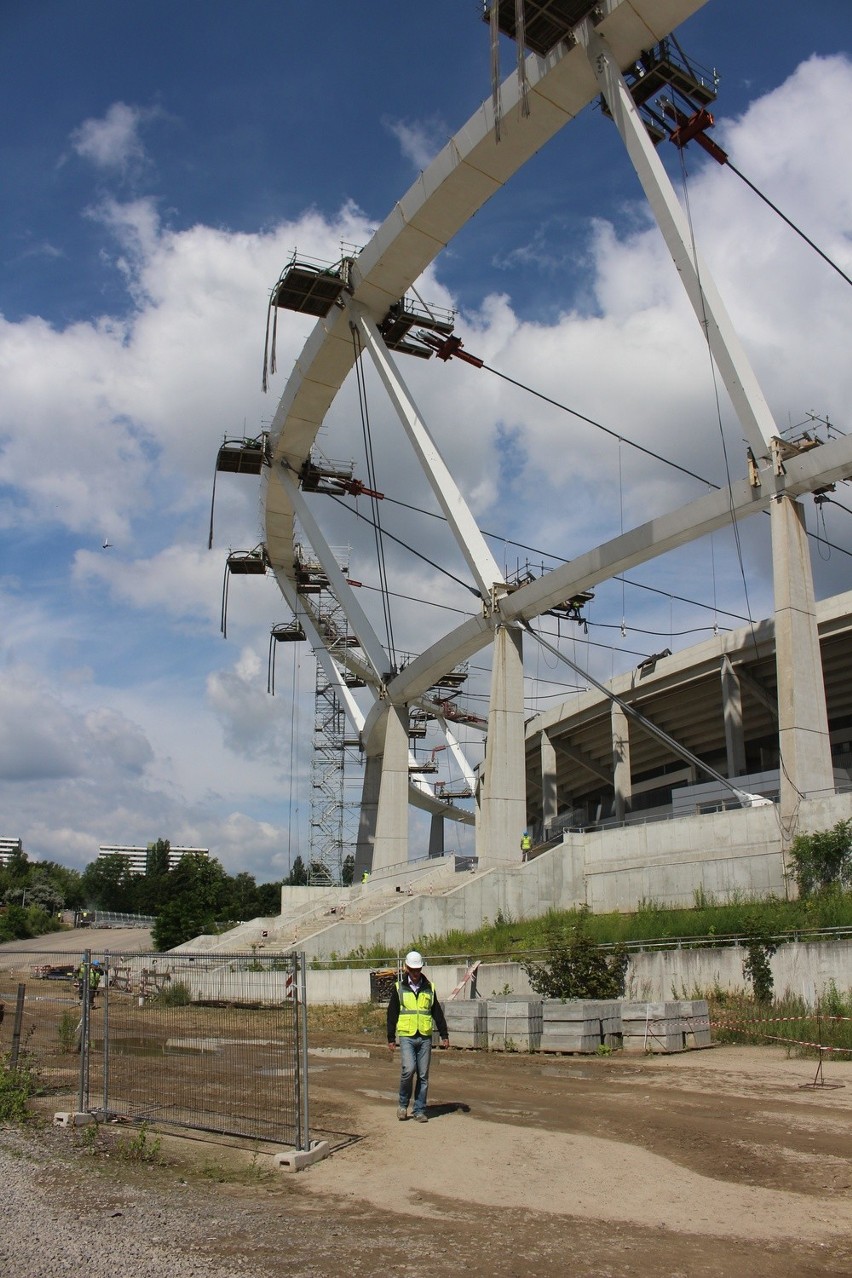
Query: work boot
(402,1114)
(420,1118)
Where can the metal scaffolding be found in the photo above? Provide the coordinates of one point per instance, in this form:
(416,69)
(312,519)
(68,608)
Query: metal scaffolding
(335,765)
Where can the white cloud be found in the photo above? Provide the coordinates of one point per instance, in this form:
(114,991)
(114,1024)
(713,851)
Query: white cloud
(141,721)
(419,140)
(112,143)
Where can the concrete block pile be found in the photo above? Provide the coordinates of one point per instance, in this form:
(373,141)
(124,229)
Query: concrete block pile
(673,1026)
(696,1022)
(514,1024)
(581,1025)
(467,1022)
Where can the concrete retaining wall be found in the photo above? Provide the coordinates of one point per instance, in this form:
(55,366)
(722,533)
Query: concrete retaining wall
(718,854)
(805,970)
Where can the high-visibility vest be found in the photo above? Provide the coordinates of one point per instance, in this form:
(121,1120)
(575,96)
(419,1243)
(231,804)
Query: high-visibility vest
(526,843)
(415,1011)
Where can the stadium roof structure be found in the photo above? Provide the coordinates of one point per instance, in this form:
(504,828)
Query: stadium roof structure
(718,698)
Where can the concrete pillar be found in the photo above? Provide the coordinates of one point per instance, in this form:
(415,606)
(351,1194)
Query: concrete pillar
(502,790)
(549,798)
(383,827)
(367,816)
(802,716)
(621,781)
(436,835)
(732,709)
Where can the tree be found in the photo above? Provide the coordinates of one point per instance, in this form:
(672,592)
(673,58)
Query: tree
(577,967)
(41,891)
(823,860)
(197,895)
(759,948)
(268,899)
(108,884)
(158,857)
(298,875)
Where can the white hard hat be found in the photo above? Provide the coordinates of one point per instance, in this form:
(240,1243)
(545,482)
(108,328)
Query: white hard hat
(413,959)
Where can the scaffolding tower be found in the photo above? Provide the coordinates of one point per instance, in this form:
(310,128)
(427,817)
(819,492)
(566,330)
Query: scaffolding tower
(336,760)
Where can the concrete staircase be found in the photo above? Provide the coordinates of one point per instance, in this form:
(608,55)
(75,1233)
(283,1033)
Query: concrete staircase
(323,925)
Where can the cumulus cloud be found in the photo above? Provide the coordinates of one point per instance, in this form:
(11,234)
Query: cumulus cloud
(112,143)
(141,721)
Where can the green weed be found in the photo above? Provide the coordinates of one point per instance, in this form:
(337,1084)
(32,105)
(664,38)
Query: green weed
(139,1147)
(17,1088)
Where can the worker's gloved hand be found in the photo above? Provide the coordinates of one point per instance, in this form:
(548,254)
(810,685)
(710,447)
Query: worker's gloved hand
(445,1042)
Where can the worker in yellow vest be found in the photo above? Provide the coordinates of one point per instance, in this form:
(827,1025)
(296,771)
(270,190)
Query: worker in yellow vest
(413,1013)
(526,844)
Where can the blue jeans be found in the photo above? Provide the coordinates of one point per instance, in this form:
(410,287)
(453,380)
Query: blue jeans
(416,1053)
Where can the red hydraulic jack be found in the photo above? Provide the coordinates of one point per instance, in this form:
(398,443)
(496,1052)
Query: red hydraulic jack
(447,347)
(693,126)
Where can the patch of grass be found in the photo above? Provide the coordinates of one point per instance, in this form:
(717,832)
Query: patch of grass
(738,916)
(358,1018)
(175,994)
(138,1147)
(17,1088)
(69,1023)
(787,1021)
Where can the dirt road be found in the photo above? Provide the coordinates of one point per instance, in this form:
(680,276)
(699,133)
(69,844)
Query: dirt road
(716,1163)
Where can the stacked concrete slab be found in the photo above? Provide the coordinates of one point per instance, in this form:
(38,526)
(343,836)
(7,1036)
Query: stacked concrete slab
(696,1022)
(654,1027)
(581,1025)
(510,1023)
(514,1024)
(467,1022)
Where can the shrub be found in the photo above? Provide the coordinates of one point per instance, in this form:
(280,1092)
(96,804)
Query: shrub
(823,860)
(175,994)
(577,967)
(759,949)
(17,1086)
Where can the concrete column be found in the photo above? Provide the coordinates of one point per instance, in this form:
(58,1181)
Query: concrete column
(732,709)
(502,803)
(620,761)
(802,716)
(436,835)
(367,816)
(549,798)
(383,828)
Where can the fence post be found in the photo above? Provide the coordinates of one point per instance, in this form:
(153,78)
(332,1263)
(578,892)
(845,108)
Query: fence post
(106,1035)
(16,1028)
(302,1013)
(83,1090)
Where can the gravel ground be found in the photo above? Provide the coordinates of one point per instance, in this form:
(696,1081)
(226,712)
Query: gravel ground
(713,1164)
(55,1222)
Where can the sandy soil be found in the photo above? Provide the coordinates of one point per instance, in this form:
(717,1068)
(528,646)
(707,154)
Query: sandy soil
(727,1161)
(714,1163)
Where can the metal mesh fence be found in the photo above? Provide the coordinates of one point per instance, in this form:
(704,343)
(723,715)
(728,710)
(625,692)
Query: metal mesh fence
(209,1042)
(41,1017)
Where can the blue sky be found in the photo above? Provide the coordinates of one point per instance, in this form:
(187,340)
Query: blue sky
(160,163)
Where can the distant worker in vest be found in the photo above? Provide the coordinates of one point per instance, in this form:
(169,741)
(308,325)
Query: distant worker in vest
(526,845)
(94,979)
(413,1013)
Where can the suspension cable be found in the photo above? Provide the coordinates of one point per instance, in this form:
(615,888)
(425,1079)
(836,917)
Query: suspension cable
(649,452)
(784,218)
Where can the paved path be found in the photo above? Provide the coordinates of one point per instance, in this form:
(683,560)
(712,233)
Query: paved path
(77,939)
